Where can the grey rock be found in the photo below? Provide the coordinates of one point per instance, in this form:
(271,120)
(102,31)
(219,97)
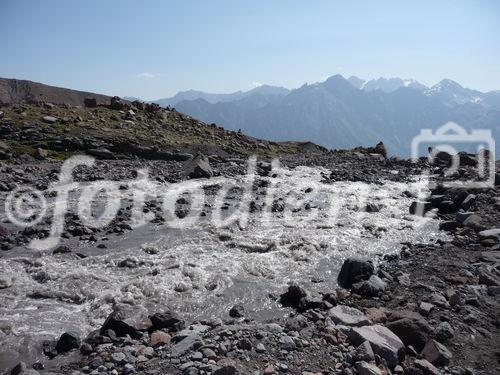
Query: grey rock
(462,216)
(101,153)
(199,167)
(489,276)
(348,316)
(444,331)
(189,343)
(365,368)
(287,343)
(382,340)
(169,320)
(426,367)
(425,308)
(436,353)
(127,320)
(49,119)
(260,348)
(490,233)
(119,357)
(372,287)
(364,352)
(439,300)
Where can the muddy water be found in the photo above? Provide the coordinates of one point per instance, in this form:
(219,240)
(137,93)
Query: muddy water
(202,270)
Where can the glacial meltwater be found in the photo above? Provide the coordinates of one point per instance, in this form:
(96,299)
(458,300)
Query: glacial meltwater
(300,229)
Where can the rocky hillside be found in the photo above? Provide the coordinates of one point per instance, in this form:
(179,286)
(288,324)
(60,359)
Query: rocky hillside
(121,130)
(15,91)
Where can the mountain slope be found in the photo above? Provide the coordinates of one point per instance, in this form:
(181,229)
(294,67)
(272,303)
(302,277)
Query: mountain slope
(14,91)
(265,90)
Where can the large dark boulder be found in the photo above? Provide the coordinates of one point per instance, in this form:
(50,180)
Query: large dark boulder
(126,320)
(199,167)
(168,320)
(353,271)
(294,296)
(68,341)
(410,327)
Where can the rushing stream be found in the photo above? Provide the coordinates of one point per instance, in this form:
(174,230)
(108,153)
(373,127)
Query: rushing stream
(203,270)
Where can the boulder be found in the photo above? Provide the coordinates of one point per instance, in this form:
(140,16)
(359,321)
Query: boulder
(294,296)
(353,271)
(426,367)
(490,233)
(380,149)
(373,287)
(159,338)
(365,368)
(425,308)
(49,119)
(436,353)
(447,207)
(186,345)
(126,320)
(167,320)
(473,222)
(489,276)
(199,167)
(364,352)
(116,103)
(237,311)
(468,201)
(415,332)
(68,341)
(41,154)
(444,331)
(462,216)
(348,316)
(101,153)
(383,342)
(449,225)
(466,159)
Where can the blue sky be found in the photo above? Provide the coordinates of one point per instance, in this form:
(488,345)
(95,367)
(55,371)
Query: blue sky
(152,49)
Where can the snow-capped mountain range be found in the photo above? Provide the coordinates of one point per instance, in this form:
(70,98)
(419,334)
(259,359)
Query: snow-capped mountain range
(343,113)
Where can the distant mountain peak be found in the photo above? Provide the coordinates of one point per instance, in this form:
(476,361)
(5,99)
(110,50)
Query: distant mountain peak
(447,84)
(356,81)
(337,81)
